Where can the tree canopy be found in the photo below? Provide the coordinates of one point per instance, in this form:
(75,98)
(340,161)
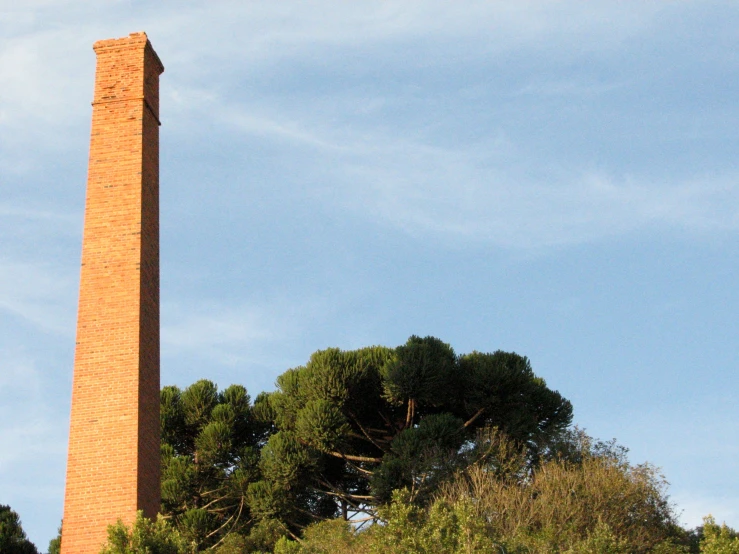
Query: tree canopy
(447,452)
(592,501)
(718,539)
(599,504)
(210,455)
(352,426)
(13,539)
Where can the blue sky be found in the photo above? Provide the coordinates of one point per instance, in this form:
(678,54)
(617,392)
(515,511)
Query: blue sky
(557,179)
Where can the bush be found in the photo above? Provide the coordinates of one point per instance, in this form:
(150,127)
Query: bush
(718,540)
(145,537)
(566,507)
(405,529)
(594,502)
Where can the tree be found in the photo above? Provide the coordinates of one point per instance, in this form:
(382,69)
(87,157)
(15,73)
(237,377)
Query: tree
(13,539)
(596,504)
(210,454)
(352,426)
(145,537)
(406,529)
(718,539)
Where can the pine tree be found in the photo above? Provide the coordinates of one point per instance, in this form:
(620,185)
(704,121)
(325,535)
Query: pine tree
(352,426)
(13,539)
(210,454)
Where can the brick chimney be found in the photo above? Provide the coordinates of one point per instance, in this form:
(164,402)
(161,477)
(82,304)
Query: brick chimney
(113,459)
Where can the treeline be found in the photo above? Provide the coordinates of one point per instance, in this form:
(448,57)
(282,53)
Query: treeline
(412,449)
(341,434)
(407,449)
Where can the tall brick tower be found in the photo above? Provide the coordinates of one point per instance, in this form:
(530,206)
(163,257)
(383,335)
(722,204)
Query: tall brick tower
(113,459)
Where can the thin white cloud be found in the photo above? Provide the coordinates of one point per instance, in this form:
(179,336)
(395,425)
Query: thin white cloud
(40,294)
(269,30)
(568,87)
(39,77)
(244,332)
(33,430)
(515,211)
(19,377)
(223,333)
(60,222)
(487,192)
(31,434)
(228,36)
(475,193)
(288,130)
(491,191)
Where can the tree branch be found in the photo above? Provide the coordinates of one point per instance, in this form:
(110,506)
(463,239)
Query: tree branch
(214,501)
(360,469)
(347,495)
(409,413)
(471,420)
(216,530)
(354,458)
(388,423)
(364,431)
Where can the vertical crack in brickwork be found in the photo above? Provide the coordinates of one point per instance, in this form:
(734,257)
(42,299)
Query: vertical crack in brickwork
(113,458)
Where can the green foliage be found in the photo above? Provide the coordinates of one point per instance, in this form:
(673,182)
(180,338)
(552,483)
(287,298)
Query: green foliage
(600,540)
(422,370)
(598,503)
(443,453)
(335,536)
(718,539)
(405,529)
(195,525)
(210,457)
(286,546)
(421,457)
(322,425)
(350,427)
(145,537)
(264,535)
(12,537)
(232,544)
(439,528)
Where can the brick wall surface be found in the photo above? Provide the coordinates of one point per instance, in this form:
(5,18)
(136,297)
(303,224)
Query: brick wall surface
(113,458)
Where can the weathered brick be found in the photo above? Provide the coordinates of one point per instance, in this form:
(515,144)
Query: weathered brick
(113,457)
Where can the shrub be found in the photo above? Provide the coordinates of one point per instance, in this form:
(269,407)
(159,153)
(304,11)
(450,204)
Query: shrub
(145,537)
